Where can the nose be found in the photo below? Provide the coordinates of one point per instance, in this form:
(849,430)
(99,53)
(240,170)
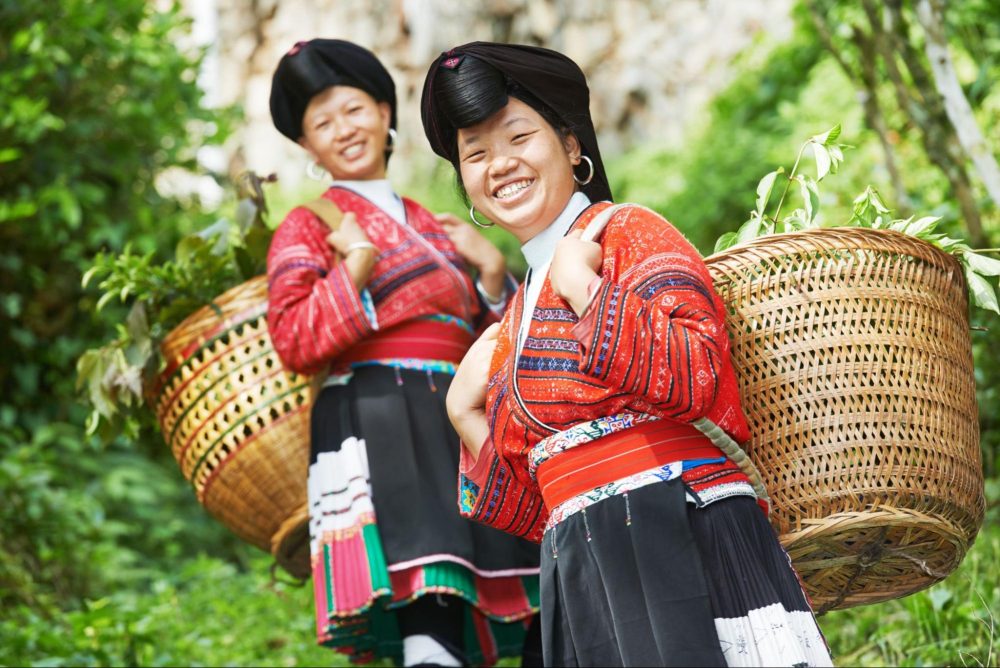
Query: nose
(502,165)
(343,129)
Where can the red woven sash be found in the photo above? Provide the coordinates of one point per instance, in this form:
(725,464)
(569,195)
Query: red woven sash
(418,339)
(647,446)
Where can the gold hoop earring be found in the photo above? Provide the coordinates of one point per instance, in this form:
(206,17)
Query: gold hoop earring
(590,177)
(315,172)
(472,215)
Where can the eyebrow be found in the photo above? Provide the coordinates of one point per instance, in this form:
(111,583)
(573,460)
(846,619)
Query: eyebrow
(506,124)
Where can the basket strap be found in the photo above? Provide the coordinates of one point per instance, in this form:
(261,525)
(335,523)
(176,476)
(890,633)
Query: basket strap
(326,211)
(330,214)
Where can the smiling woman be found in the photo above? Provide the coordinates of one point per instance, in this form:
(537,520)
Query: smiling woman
(382,308)
(521,168)
(592,416)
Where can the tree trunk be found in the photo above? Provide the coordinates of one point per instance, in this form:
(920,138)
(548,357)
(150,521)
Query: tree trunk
(955,103)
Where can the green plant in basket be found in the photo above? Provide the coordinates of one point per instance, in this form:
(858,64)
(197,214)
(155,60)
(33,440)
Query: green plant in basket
(869,211)
(160,295)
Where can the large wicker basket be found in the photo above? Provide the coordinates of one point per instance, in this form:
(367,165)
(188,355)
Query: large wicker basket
(852,348)
(238,423)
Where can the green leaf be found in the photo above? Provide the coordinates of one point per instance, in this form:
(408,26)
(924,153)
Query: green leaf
(922,226)
(764,188)
(810,196)
(188,248)
(9,154)
(982,292)
(828,137)
(749,230)
(939,596)
(823,161)
(727,240)
(985,266)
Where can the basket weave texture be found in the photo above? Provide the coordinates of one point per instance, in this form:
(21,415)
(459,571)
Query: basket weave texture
(238,423)
(853,353)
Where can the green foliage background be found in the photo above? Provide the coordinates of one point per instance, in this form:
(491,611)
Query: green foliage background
(106,558)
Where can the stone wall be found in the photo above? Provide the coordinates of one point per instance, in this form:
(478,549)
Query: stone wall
(652,64)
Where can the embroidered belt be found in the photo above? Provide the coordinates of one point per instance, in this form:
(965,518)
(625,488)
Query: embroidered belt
(416,339)
(618,455)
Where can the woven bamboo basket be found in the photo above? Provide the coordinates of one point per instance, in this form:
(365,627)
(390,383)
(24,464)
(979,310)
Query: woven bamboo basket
(238,423)
(853,353)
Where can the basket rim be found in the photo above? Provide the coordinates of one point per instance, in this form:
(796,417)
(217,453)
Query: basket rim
(835,238)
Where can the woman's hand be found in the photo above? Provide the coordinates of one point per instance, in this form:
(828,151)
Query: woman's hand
(350,242)
(466,401)
(478,251)
(574,266)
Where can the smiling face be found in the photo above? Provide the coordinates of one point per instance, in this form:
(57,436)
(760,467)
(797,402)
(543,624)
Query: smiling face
(517,170)
(346,130)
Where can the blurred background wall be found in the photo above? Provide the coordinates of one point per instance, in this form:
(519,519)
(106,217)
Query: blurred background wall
(652,64)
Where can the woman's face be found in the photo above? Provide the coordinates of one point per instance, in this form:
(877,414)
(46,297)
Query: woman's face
(517,170)
(346,130)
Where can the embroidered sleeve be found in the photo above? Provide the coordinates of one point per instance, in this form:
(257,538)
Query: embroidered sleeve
(654,327)
(489,493)
(314,310)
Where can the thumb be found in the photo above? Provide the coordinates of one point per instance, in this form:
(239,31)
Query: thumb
(490,333)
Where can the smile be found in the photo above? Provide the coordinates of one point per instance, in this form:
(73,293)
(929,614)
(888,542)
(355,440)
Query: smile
(512,189)
(354,150)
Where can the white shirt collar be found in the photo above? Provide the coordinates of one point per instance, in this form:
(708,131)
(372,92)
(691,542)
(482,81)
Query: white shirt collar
(539,249)
(380,193)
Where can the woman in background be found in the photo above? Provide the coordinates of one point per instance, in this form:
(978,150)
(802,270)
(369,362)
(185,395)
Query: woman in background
(384,307)
(592,416)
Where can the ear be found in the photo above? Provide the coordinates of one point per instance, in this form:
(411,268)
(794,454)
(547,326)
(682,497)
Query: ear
(304,143)
(385,113)
(572,146)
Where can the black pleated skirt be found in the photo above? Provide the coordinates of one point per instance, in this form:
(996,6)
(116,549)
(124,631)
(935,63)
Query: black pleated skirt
(648,579)
(385,527)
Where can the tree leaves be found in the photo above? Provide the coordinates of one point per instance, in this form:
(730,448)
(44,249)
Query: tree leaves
(868,210)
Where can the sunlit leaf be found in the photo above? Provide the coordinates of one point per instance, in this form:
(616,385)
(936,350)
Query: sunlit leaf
(749,230)
(982,292)
(822,161)
(810,196)
(764,188)
(983,265)
(727,240)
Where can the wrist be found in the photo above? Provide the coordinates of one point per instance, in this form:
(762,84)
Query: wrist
(360,245)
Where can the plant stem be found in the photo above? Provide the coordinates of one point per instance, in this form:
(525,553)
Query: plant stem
(788,184)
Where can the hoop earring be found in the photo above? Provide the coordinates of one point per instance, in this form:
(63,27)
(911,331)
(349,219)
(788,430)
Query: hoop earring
(315,172)
(590,177)
(390,145)
(472,215)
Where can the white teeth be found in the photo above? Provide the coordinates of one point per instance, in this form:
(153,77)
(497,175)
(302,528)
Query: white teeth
(352,151)
(512,189)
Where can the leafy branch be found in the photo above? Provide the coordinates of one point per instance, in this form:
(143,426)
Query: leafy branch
(160,296)
(869,211)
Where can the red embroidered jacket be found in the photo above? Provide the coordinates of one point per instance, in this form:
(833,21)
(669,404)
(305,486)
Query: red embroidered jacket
(653,340)
(315,314)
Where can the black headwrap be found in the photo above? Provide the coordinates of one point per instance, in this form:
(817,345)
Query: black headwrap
(546,80)
(312,67)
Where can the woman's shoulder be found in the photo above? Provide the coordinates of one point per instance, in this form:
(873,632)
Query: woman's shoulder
(644,231)
(300,222)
